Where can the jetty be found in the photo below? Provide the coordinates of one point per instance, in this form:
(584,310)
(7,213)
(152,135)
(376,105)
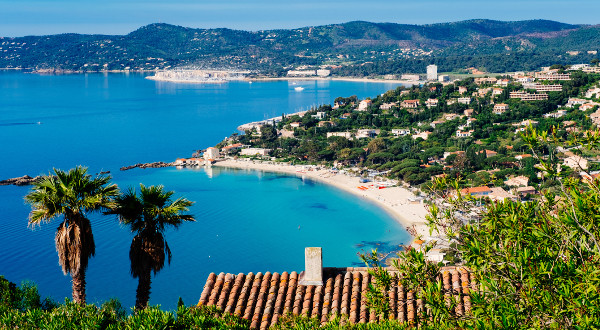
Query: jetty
(146,165)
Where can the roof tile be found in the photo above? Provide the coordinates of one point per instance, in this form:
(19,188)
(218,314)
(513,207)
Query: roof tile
(263,299)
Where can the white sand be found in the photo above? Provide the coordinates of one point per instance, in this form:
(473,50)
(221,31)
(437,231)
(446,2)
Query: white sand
(394,200)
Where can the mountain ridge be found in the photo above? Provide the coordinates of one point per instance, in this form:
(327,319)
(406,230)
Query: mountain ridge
(162,45)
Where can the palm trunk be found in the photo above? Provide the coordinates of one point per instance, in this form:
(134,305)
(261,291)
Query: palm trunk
(78,280)
(143,290)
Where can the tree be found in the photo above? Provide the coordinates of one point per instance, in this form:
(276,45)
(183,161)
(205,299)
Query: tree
(536,263)
(148,215)
(71,195)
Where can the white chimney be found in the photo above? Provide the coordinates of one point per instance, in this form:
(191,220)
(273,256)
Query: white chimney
(313,263)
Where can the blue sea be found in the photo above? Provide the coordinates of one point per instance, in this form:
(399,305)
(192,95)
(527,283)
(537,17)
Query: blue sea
(246,221)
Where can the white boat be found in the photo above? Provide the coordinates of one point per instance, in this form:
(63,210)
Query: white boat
(299,88)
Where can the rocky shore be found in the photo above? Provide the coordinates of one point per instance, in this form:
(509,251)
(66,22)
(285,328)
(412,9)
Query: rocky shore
(146,165)
(24,180)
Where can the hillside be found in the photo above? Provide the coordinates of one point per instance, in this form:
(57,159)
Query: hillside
(393,48)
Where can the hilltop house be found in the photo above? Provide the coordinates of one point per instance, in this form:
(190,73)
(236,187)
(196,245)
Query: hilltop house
(388,106)
(500,108)
(367,133)
(363,105)
(464,100)
(400,131)
(411,104)
(462,134)
(576,162)
(519,181)
(593,92)
(347,135)
(477,191)
(430,103)
(436,122)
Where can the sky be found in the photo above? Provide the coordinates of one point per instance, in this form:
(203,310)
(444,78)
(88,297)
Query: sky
(42,17)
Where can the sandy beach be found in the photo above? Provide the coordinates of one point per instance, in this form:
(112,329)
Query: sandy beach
(394,200)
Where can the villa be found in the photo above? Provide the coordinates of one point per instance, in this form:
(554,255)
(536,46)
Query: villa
(364,105)
(347,135)
(500,108)
(430,103)
(477,191)
(400,131)
(411,104)
(576,162)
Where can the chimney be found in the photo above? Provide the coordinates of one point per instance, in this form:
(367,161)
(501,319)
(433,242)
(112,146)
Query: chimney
(313,263)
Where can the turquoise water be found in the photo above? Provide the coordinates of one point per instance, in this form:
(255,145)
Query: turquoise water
(246,221)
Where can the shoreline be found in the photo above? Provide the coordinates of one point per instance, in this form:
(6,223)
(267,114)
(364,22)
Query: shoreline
(352,79)
(179,81)
(393,200)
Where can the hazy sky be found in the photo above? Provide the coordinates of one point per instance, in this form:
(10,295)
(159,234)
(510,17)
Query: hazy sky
(26,17)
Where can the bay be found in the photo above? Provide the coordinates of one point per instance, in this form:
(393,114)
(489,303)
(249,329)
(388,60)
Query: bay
(246,221)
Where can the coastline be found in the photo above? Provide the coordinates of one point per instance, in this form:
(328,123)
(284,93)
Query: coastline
(393,200)
(352,79)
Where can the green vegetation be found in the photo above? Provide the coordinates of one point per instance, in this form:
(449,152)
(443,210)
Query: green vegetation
(148,216)
(71,195)
(536,263)
(21,308)
(352,49)
(75,193)
(415,144)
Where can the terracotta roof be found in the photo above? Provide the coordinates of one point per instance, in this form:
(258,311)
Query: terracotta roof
(264,298)
(474,190)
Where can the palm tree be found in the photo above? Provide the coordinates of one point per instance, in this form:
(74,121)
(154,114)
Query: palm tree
(148,216)
(71,195)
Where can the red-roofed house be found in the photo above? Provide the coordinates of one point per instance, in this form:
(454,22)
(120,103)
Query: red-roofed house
(477,191)
(410,104)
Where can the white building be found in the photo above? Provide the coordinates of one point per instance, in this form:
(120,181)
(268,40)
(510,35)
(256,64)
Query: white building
(363,105)
(255,152)
(367,133)
(576,162)
(432,72)
(464,100)
(593,92)
(320,115)
(347,135)
(400,131)
(500,108)
(211,153)
(464,133)
(430,103)
(323,73)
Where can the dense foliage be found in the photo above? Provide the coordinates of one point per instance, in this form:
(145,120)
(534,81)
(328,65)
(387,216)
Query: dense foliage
(415,160)
(536,263)
(21,308)
(360,48)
